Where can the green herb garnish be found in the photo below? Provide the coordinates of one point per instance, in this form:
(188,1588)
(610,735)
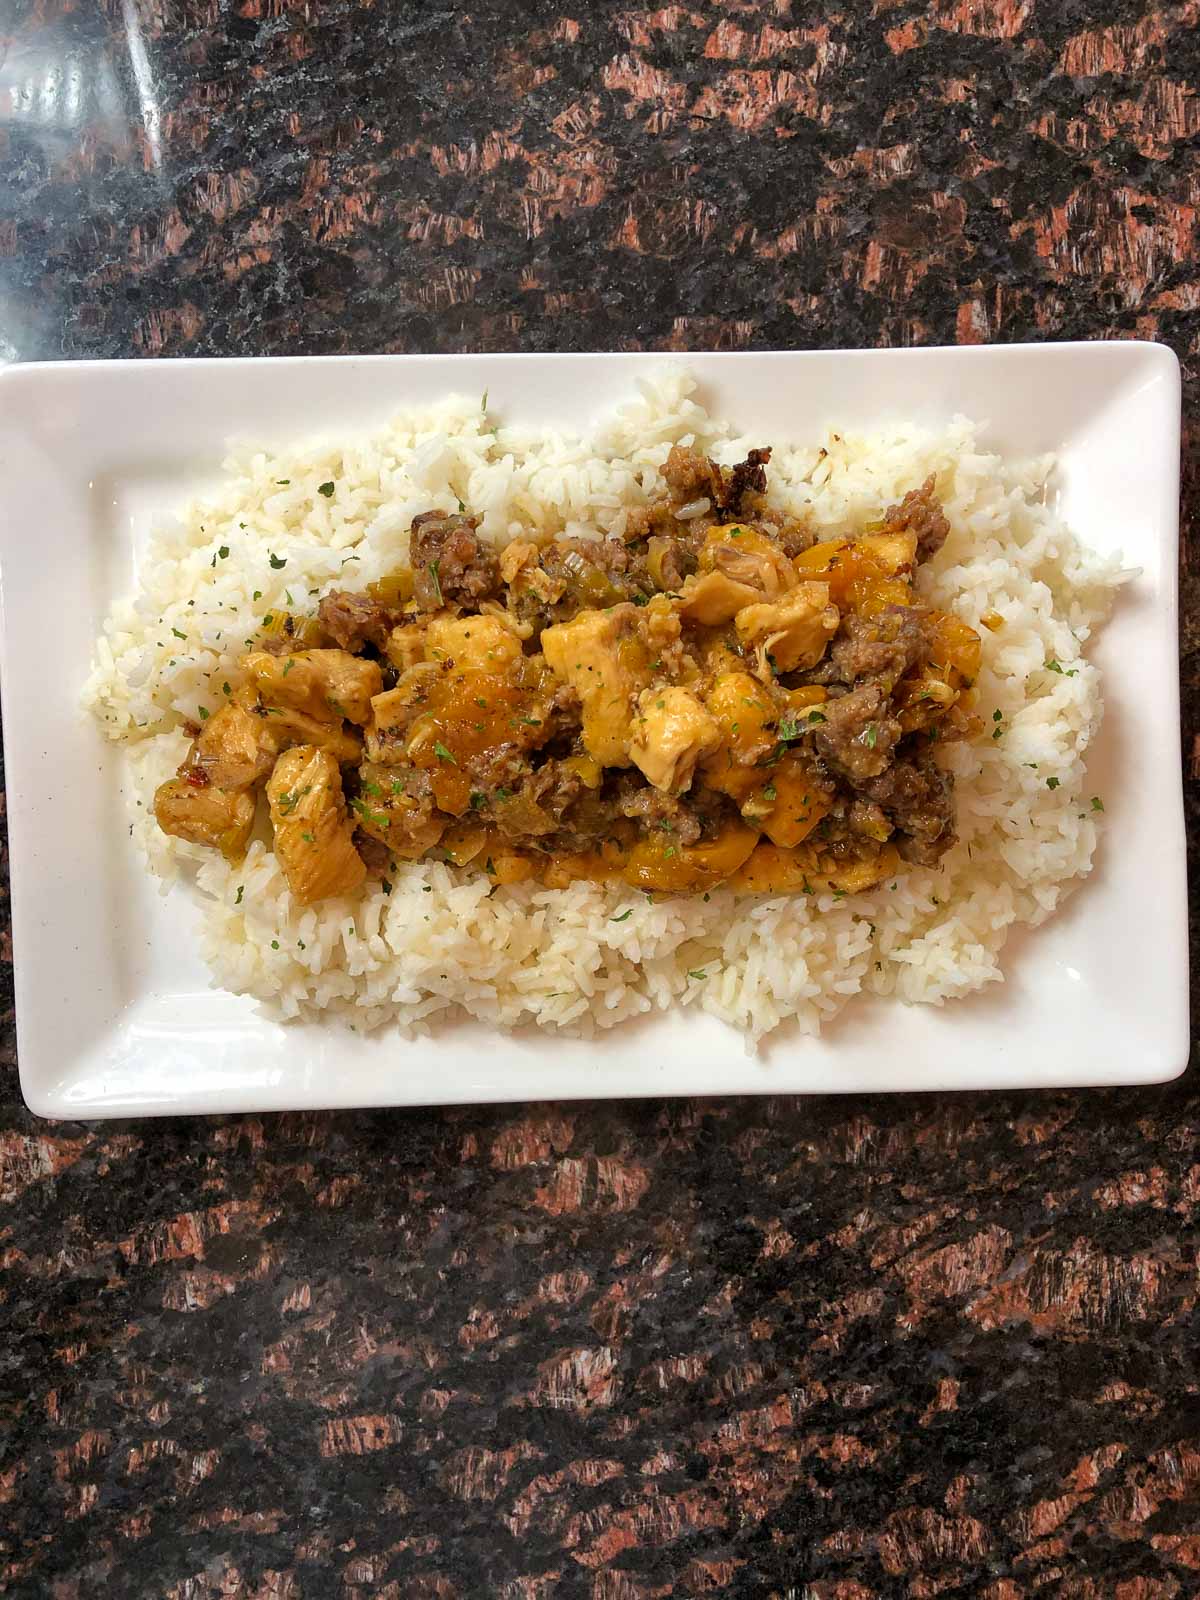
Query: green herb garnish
(177,633)
(1097,803)
(1052,783)
(240,893)
(432,569)
(277,561)
(624,917)
(326,489)
(288,802)
(443,754)
(368,815)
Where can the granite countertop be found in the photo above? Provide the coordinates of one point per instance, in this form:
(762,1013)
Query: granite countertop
(810,1350)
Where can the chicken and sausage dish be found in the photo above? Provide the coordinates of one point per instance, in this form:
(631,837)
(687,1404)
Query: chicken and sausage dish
(715,696)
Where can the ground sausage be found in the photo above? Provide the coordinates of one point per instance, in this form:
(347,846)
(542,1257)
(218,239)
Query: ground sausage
(921,513)
(356,620)
(451,564)
(877,649)
(859,733)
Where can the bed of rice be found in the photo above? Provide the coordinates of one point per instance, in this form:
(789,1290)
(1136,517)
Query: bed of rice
(573,959)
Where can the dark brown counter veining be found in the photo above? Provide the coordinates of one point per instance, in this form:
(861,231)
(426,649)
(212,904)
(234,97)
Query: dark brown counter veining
(836,1350)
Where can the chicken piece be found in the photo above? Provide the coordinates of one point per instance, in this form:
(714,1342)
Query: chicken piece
(472,644)
(235,748)
(745,717)
(395,710)
(314,837)
(326,684)
(792,633)
(204,814)
(673,733)
(406,645)
(290,727)
(395,806)
(297,727)
(746,556)
(602,657)
(710,598)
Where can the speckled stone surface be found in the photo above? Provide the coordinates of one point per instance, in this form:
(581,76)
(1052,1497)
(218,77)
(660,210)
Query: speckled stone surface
(810,1350)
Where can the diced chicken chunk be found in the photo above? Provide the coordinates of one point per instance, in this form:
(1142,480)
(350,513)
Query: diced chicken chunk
(235,748)
(395,710)
(406,645)
(204,814)
(711,598)
(473,644)
(599,654)
(748,557)
(297,727)
(793,632)
(326,684)
(313,834)
(673,733)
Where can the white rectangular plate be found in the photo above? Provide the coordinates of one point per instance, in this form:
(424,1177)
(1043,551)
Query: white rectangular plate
(114,1010)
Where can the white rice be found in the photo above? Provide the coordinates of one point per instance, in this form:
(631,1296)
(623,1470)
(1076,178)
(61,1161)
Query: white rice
(441,940)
